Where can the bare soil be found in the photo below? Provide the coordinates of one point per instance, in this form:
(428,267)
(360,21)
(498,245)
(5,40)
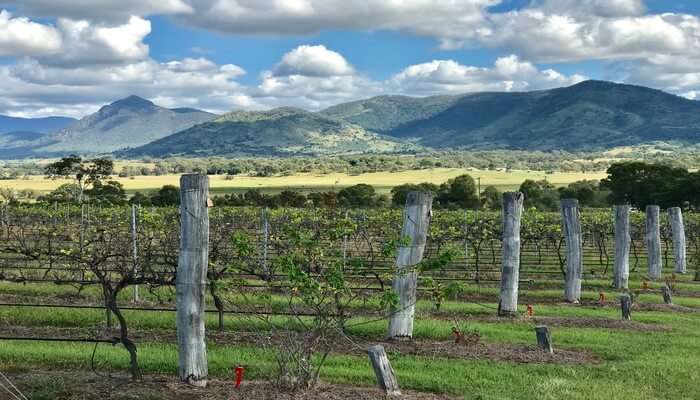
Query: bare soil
(341,345)
(63,385)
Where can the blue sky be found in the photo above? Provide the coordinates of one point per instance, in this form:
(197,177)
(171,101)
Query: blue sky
(70,57)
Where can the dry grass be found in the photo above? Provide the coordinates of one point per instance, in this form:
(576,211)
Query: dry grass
(383,181)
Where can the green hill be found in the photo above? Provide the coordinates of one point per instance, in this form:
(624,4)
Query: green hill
(587,116)
(282,131)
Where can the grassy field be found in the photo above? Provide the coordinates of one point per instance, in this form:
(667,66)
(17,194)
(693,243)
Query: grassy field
(382,181)
(655,359)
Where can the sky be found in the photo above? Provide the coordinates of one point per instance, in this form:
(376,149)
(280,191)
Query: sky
(69,57)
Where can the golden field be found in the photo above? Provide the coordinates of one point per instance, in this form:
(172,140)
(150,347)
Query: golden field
(382,181)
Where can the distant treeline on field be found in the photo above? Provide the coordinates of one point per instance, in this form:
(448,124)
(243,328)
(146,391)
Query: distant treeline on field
(635,183)
(358,164)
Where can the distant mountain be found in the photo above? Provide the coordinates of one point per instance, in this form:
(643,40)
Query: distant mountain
(282,131)
(129,122)
(591,115)
(38,125)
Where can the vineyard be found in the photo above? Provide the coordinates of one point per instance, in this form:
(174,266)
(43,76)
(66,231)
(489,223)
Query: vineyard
(74,277)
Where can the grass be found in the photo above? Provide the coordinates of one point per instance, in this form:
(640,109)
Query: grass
(382,181)
(633,364)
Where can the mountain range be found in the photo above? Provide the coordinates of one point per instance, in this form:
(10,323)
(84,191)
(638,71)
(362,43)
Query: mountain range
(592,115)
(132,121)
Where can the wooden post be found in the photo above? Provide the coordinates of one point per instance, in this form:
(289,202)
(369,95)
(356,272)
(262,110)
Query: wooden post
(415,230)
(626,306)
(622,246)
(653,237)
(544,338)
(574,262)
(135,250)
(191,278)
(675,217)
(510,268)
(666,293)
(383,371)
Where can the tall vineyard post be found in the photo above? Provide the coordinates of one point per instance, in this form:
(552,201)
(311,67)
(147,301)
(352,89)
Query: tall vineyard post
(191,278)
(574,261)
(417,214)
(510,270)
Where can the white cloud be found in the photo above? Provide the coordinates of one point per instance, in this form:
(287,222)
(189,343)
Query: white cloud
(279,17)
(313,61)
(21,37)
(74,42)
(102,10)
(32,89)
(89,43)
(448,76)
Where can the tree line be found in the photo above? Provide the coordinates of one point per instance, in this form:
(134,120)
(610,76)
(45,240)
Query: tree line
(636,183)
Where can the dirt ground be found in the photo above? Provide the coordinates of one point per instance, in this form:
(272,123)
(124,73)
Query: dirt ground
(343,345)
(62,385)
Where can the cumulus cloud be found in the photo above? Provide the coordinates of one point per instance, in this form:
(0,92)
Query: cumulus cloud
(102,10)
(21,37)
(85,42)
(316,61)
(32,89)
(279,17)
(312,77)
(448,76)
(74,42)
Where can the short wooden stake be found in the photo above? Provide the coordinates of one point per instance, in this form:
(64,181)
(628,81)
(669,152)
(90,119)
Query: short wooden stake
(544,339)
(416,221)
(510,268)
(626,306)
(622,246)
(666,293)
(383,371)
(653,238)
(574,260)
(675,216)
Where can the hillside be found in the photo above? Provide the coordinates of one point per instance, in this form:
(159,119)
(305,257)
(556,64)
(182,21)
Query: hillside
(129,122)
(37,125)
(282,131)
(591,115)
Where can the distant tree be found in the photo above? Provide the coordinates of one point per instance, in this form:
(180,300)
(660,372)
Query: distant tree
(491,198)
(290,198)
(66,193)
(540,195)
(588,193)
(399,193)
(168,195)
(84,172)
(361,195)
(324,199)
(109,194)
(459,192)
(641,184)
(140,199)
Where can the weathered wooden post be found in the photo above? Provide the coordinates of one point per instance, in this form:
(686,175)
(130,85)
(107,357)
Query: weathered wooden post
(416,221)
(622,246)
(510,269)
(191,278)
(626,306)
(653,236)
(383,371)
(574,261)
(544,338)
(675,217)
